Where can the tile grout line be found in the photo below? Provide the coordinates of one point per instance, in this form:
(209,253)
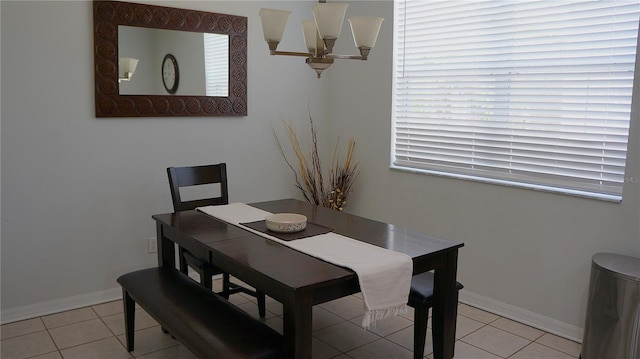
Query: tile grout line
(556,349)
(114,335)
(489,323)
(484,350)
(53,341)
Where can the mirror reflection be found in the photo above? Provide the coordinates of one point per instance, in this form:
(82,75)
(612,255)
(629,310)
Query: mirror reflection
(202,60)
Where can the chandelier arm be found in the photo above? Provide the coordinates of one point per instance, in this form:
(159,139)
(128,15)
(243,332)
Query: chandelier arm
(319,42)
(346,57)
(289,53)
(364,53)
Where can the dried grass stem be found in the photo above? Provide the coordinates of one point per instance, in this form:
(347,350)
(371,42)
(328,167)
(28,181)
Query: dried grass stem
(308,173)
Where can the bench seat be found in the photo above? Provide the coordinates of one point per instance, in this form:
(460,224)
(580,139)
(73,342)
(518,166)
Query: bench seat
(204,322)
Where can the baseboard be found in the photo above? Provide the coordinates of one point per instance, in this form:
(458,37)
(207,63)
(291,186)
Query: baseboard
(68,303)
(523,316)
(59,305)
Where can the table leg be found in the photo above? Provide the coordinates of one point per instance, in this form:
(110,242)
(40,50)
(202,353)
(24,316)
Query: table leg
(297,327)
(166,249)
(445,308)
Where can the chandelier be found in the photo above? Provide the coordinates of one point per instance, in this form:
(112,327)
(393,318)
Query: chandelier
(321,33)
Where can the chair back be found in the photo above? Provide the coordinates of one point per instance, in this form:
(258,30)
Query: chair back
(197,175)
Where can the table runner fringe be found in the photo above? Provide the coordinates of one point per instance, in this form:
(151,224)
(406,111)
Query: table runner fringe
(373,315)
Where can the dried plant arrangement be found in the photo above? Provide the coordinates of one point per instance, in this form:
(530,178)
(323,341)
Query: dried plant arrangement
(331,191)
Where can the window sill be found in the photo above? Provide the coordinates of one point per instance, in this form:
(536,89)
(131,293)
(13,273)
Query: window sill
(529,186)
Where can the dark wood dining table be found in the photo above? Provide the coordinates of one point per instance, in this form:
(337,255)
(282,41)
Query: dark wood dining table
(300,281)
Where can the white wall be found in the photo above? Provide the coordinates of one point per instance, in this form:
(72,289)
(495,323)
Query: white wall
(527,254)
(78,192)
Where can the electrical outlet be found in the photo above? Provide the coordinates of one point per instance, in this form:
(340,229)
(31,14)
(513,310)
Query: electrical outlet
(153,245)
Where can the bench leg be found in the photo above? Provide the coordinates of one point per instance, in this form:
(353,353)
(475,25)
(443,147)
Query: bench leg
(129,318)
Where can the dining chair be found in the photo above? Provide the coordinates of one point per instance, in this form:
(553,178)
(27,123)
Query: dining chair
(421,300)
(181,177)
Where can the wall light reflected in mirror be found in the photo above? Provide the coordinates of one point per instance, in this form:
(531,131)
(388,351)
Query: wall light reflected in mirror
(127,66)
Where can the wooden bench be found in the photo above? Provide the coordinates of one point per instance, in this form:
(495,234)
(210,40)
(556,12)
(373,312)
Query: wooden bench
(204,322)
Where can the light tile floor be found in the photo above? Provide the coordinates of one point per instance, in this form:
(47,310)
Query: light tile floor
(97,332)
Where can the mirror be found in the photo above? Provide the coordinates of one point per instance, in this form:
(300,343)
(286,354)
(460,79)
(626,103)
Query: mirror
(202,58)
(217,87)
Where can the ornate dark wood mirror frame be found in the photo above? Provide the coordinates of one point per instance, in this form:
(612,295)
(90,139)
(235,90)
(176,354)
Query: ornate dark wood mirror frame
(107,15)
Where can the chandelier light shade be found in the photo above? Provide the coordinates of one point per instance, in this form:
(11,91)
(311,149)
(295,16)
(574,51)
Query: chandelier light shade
(365,30)
(329,19)
(311,37)
(321,33)
(273,24)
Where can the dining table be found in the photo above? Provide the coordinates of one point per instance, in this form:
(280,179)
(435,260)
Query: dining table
(300,281)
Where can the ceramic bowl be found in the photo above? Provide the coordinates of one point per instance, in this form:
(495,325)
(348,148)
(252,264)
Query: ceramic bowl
(286,222)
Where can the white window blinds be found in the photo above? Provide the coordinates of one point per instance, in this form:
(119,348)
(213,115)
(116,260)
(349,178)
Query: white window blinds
(535,93)
(216,64)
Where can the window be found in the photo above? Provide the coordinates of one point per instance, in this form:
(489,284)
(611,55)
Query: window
(527,93)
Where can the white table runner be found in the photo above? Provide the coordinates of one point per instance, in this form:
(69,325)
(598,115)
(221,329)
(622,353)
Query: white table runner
(384,275)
